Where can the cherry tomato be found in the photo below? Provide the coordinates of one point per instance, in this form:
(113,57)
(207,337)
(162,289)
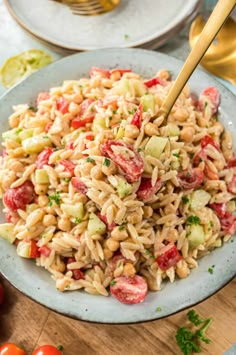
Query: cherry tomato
(137,118)
(19,197)
(231,163)
(131,165)
(34,250)
(210,96)
(1,294)
(115,260)
(99,71)
(153,81)
(11,349)
(190,179)
(43,157)
(45,250)
(219,208)
(199,157)
(104,219)
(69,167)
(47,350)
(208,140)
(42,96)
(63,105)
(77,273)
(169,256)
(129,289)
(81,122)
(146,191)
(227,220)
(79,185)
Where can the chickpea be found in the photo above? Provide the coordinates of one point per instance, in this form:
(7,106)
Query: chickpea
(16,166)
(115,76)
(119,234)
(64,224)
(96,172)
(107,253)
(112,244)
(187,134)
(129,270)
(41,189)
(181,114)
(163,74)
(108,168)
(77,98)
(74,108)
(151,129)
(42,200)
(182,269)
(131,131)
(147,211)
(49,220)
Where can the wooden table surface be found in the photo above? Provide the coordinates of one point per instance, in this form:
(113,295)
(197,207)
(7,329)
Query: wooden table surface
(29,325)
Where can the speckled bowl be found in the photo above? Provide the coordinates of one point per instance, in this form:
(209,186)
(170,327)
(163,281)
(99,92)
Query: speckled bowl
(37,284)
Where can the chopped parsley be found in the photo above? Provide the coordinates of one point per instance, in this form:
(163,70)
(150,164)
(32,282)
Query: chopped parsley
(78,220)
(205,105)
(188,175)
(67,286)
(139,150)
(110,118)
(18,131)
(188,341)
(60,347)
(113,282)
(193,220)
(185,199)
(121,228)
(106,162)
(126,36)
(90,160)
(211,269)
(67,180)
(56,198)
(211,223)
(114,112)
(131,112)
(45,137)
(158,309)
(177,155)
(33,108)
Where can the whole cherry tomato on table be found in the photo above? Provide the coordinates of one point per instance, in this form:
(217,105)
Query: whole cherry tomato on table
(46,350)
(11,349)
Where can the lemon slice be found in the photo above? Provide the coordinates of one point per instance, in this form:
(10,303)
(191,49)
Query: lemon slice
(18,67)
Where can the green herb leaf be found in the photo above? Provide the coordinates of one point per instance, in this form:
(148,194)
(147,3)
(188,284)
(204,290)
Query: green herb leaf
(177,155)
(126,36)
(90,160)
(78,220)
(33,108)
(56,198)
(158,309)
(193,220)
(60,347)
(113,282)
(185,199)
(106,162)
(211,223)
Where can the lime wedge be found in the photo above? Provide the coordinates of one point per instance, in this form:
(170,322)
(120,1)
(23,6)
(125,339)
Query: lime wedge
(18,67)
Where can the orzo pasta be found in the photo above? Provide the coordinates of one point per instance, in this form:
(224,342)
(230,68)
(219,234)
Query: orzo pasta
(106,194)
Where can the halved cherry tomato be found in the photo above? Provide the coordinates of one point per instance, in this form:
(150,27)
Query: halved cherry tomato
(11,349)
(129,289)
(63,105)
(231,163)
(81,122)
(42,96)
(104,219)
(79,185)
(210,96)
(219,208)
(69,167)
(169,256)
(115,260)
(210,174)
(132,167)
(19,197)
(232,185)
(191,178)
(227,220)
(34,250)
(43,157)
(45,250)
(137,118)
(199,157)
(46,350)
(1,294)
(77,273)
(208,140)
(99,71)
(146,191)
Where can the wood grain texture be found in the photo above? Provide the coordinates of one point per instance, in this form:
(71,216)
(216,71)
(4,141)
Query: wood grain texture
(28,324)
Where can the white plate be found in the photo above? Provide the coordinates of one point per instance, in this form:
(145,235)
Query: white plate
(133,23)
(36,283)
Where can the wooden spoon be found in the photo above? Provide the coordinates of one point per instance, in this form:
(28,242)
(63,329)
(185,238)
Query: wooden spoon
(209,32)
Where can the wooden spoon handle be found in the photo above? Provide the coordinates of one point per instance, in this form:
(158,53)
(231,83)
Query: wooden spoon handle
(209,32)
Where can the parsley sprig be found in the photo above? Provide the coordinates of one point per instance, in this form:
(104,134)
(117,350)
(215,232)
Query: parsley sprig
(189,341)
(56,198)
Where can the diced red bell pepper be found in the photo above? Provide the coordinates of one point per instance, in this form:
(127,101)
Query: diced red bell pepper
(34,250)
(146,191)
(137,117)
(210,96)
(219,208)
(154,81)
(232,185)
(43,157)
(85,105)
(81,122)
(77,273)
(63,105)
(70,146)
(231,163)
(111,226)
(69,167)
(79,185)
(89,136)
(208,140)
(169,256)
(199,157)
(47,127)
(45,250)
(227,219)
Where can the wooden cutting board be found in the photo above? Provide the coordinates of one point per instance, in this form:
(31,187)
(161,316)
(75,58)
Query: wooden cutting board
(29,325)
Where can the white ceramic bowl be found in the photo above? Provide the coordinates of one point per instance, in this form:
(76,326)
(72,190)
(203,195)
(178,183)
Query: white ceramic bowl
(36,282)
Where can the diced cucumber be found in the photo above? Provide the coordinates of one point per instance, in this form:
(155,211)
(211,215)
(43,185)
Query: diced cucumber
(99,123)
(36,144)
(95,225)
(173,129)
(123,87)
(121,132)
(6,232)
(23,249)
(76,210)
(148,102)
(12,134)
(195,235)
(199,199)
(41,176)
(155,146)
(123,188)
(26,133)
(139,87)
